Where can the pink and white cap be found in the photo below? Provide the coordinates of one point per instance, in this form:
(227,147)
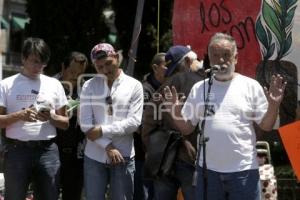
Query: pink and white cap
(102,50)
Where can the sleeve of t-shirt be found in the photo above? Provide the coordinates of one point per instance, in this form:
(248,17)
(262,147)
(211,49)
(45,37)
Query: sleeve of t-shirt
(192,107)
(61,96)
(2,95)
(260,102)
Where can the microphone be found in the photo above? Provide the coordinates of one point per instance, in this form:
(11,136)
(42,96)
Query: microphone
(213,69)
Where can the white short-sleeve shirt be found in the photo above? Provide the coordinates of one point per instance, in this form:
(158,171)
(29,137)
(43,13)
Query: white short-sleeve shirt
(19,92)
(233,107)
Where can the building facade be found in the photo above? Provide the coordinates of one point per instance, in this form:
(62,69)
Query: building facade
(13,21)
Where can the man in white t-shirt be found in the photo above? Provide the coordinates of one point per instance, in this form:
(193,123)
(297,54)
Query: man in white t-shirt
(111,107)
(32,106)
(235,103)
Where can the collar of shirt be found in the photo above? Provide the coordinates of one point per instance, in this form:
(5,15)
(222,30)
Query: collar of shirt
(115,84)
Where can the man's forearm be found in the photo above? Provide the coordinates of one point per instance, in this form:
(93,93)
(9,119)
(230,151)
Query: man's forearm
(59,121)
(59,118)
(269,118)
(94,133)
(6,120)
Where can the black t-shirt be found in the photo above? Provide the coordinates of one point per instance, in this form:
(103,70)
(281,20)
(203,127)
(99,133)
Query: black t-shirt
(68,140)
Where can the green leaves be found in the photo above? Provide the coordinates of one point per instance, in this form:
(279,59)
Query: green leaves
(291,3)
(265,37)
(290,16)
(287,45)
(274,28)
(72,105)
(261,33)
(272,20)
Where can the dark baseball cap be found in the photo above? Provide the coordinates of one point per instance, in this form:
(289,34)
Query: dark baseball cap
(173,56)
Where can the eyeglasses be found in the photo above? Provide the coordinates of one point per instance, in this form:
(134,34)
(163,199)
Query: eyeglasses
(108,101)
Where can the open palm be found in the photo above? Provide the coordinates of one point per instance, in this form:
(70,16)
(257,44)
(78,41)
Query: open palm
(275,92)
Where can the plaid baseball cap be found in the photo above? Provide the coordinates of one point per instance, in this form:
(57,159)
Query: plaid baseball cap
(173,56)
(102,50)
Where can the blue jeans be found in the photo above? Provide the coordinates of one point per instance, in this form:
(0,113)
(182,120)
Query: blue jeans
(143,189)
(38,165)
(166,189)
(98,175)
(244,185)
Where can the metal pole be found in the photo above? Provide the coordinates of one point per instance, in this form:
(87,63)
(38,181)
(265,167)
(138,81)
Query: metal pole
(135,37)
(158,28)
(1,15)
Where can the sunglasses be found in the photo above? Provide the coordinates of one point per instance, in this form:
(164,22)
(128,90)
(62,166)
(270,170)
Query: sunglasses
(108,101)
(99,54)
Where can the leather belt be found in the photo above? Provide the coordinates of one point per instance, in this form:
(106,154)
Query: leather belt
(30,143)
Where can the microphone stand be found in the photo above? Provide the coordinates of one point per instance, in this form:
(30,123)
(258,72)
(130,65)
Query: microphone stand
(202,140)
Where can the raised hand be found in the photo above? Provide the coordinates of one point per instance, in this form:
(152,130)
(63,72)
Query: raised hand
(171,96)
(275,92)
(173,102)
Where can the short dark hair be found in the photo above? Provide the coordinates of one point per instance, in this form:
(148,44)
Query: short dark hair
(158,58)
(36,46)
(74,55)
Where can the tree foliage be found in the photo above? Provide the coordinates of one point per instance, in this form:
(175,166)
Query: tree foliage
(77,25)
(68,25)
(125,16)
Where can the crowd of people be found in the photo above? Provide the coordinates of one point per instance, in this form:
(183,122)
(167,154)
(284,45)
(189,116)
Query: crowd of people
(71,137)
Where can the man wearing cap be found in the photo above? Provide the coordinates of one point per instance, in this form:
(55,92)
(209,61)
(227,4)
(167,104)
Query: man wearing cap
(183,71)
(111,107)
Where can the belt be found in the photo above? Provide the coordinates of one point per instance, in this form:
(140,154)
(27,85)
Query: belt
(67,150)
(30,143)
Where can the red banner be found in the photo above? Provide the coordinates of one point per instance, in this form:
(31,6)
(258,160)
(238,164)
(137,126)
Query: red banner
(194,22)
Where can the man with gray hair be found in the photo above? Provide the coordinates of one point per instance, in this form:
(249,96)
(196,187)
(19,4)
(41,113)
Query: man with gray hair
(236,102)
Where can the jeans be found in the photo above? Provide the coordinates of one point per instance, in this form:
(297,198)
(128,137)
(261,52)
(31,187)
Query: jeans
(38,165)
(166,189)
(244,185)
(143,189)
(98,175)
